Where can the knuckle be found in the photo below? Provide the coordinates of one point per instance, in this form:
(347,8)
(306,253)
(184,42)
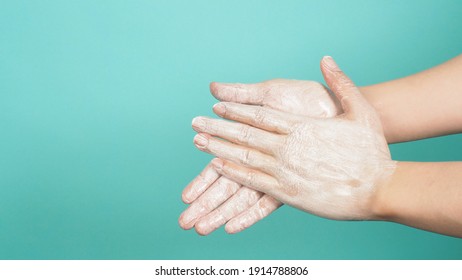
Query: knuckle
(343,82)
(225,166)
(263,208)
(225,112)
(235,93)
(244,134)
(260,116)
(230,188)
(246,157)
(204,207)
(206,124)
(250,178)
(253,195)
(265,87)
(214,126)
(201,178)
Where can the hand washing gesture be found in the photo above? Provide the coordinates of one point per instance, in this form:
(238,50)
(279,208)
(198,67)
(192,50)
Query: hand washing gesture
(216,200)
(331,167)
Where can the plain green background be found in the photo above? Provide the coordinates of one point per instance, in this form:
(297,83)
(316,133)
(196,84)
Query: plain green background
(97,97)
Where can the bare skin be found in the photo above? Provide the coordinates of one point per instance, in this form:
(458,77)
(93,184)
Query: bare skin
(382,103)
(423,105)
(425,195)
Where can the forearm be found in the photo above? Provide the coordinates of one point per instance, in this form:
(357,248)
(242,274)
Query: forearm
(423,105)
(423,195)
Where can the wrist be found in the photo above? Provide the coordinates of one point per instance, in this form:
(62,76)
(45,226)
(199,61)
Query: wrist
(382,200)
(379,101)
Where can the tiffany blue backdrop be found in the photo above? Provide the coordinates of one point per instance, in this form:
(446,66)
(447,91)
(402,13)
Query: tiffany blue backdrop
(96,100)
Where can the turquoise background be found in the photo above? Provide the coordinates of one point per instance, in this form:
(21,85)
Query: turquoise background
(96,100)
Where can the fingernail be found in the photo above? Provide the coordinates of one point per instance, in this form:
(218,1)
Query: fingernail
(219,109)
(217,164)
(330,63)
(200,141)
(198,123)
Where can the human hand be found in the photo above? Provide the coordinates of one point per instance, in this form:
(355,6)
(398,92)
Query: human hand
(330,167)
(216,200)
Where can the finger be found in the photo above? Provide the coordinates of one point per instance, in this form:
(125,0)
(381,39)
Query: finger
(265,206)
(197,186)
(219,192)
(257,116)
(239,133)
(240,93)
(248,177)
(238,203)
(238,154)
(353,103)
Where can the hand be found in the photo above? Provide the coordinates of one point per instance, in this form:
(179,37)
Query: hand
(216,200)
(329,167)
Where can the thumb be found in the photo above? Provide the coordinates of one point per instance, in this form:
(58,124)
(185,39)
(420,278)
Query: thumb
(353,103)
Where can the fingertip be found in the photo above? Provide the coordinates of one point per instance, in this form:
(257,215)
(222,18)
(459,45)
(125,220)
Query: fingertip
(328,68)
(198,123)
(216,89)
(219,109)
(185,198)
(193,190)
(201,141)
(188,195)
(229,229)
(182,223)
(213,87)
(201,228)
(329,63)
